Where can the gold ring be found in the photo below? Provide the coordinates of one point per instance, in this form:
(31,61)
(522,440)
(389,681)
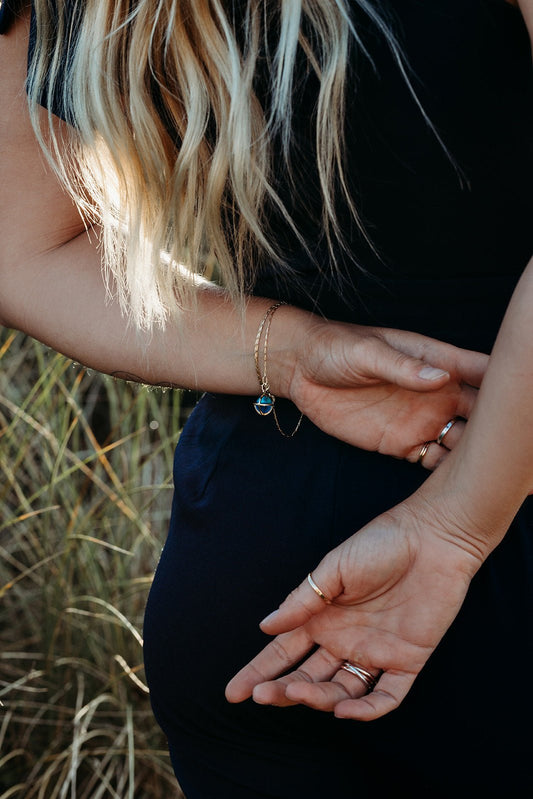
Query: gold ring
(446,429)
(423,451)
(317,590)
(361,673)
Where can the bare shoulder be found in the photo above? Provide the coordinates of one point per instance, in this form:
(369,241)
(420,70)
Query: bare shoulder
(37,216)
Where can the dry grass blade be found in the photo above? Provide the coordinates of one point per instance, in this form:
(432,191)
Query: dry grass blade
(85,492)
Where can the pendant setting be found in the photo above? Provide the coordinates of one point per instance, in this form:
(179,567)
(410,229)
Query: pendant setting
(264,404)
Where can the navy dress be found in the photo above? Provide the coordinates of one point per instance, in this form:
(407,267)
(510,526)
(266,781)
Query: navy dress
(253,512)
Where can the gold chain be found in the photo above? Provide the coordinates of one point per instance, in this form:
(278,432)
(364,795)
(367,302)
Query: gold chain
(265,403)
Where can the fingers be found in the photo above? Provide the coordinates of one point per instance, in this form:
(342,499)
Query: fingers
(346,696)
(466,365)
(305,602)
(431,454)
(326,695)
(321,684)
(392,365)
(472,367)
(278,656)
(290,645)
(321,666)
(452,435)
(466,401)
(390,691)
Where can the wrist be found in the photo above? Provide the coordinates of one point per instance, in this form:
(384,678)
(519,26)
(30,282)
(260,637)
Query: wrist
(472,512)
(287,335)
(433,521)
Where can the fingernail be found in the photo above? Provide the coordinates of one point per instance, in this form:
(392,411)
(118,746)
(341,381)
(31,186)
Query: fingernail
(257,698)
(259,701)
(269,617)
(431,373)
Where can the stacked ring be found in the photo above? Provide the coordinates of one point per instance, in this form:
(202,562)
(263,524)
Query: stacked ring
(361,673)
(446,429)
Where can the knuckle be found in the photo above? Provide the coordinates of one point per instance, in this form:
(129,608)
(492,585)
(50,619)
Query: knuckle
(387,702)
(257,674)
(280,652)
(400,359)
(373,351)
(302,675)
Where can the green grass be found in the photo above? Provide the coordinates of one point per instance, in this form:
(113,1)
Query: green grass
(85,493)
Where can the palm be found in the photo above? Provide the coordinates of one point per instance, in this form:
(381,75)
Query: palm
(400,593)
(396,590)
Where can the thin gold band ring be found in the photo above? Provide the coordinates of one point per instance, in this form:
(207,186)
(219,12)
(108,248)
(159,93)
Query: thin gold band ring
(423,451)
(317,590)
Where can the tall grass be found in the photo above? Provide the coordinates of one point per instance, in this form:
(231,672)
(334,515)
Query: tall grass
(85,492)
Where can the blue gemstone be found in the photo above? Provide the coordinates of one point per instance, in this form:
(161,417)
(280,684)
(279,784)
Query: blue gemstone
(264,404)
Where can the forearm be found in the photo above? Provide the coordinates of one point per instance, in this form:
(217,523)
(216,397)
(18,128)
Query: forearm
(59,297)
(490,473)
(356,383)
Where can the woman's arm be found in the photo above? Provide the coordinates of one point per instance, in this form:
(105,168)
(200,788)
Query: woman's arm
(350,380)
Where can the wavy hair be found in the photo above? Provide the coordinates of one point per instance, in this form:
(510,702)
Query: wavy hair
(174,106)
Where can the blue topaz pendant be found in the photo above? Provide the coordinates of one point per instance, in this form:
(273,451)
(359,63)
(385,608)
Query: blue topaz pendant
(264,404)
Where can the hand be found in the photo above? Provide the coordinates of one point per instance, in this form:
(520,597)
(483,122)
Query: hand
(386,390)
(396,586)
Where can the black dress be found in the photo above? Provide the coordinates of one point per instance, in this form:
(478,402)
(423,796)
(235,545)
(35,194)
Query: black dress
(254,512)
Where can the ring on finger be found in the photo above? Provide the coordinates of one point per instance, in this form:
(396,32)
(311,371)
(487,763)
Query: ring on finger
(423,451)
(446,429)
(361,673)
(317,590)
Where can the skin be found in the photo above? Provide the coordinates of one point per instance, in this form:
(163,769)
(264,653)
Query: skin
(399,582)
(397,389)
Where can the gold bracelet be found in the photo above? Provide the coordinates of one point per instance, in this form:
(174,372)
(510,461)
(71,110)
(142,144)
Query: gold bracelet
(264,404)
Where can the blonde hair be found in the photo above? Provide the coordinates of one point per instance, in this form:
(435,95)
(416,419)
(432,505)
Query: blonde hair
(171,145)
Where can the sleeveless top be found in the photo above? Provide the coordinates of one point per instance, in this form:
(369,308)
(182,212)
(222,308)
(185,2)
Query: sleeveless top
(452,230)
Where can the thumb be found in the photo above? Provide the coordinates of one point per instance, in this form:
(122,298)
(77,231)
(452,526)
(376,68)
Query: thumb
(319,589)
(394,366)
